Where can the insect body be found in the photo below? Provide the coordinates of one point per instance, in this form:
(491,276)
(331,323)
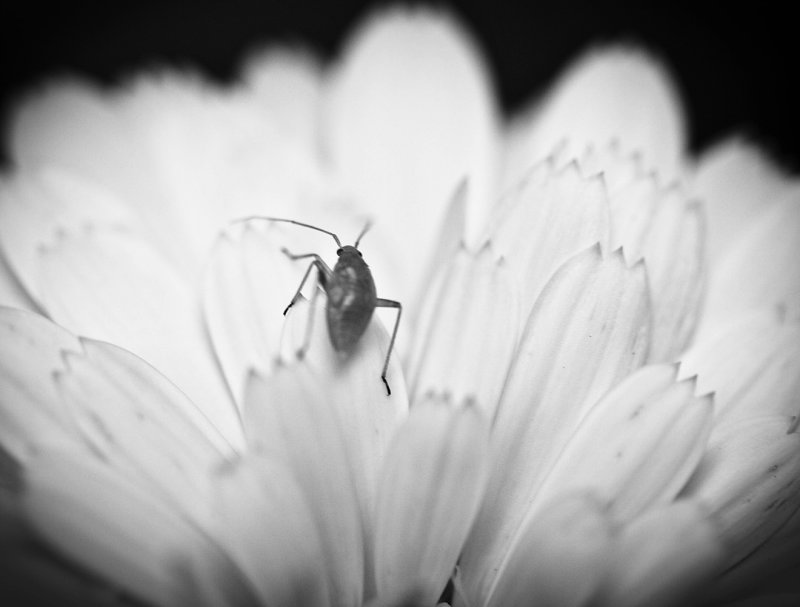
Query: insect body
(352,298)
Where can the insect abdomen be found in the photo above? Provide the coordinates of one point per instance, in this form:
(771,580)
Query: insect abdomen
(351,302)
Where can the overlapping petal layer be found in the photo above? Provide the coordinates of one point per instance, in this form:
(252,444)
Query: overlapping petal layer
(587,331)
(430,489)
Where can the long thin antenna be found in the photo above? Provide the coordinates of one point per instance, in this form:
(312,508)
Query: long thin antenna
(367,226)
(297,223)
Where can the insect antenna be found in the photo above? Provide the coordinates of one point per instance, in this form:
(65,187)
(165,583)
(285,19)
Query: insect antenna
(367,226)
(297,223)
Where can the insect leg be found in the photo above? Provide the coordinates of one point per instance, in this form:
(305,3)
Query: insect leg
(324,273)
(300,288)
(389,303)
(301,351)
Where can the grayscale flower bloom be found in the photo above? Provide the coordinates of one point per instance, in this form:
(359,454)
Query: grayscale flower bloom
(595,386)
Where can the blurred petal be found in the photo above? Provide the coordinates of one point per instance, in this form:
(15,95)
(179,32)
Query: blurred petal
(430,488)
(290,417)
(39,207)
(116,529)
(287,84)
(588,330)
(665,557)
(550,216)
(559,558)
(12,294)
(31,412)
(139,422)
(473,303)
(638,446)
(283,558)
(770,567)
(612,93)
(752,365)
(760,269)
(183,154)
(749,480)
(112,286)
(737,182)
(419,67)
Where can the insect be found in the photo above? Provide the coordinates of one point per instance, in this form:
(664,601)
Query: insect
(350,289)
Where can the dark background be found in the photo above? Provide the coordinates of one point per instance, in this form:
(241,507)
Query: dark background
(735,62)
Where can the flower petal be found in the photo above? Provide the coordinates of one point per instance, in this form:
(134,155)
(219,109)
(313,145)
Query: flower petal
(38,206)
(638,445)
(247,285)
(137,421)
(430,488)
(560,557)
(287,84)
(470,334)
(354,391)
(12,293)
(410,114)
(263,520)
(737,183)
(664,557)
(760,269)
(31,412)
(588,330)
(666,229)
(112,286)
(551,215)
(613,93)
(749,480)
(774,561)
(116,529)
(752,366)
(289,417)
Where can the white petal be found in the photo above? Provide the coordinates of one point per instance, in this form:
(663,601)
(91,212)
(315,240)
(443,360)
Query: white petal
(472,321)
(217,155)
(287,84)
(261,517)
(247,285)
(560,557)
(12,294)
(429,492)
(613,93)
(752,365)
(588,330)
(72,124)
(638,446)
(290,417)
(117,530)
(31,412)
(139,422)
(353,387)
(550,216)
(737,183)
(111,286)
(665,557)
(760,269)
(666,229)
(748,479)
(410,114)
(38,206)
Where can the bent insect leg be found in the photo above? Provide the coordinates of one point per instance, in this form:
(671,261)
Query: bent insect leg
(323,274)
(389,303)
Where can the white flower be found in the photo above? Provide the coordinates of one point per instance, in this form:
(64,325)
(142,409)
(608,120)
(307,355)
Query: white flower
(599,342)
